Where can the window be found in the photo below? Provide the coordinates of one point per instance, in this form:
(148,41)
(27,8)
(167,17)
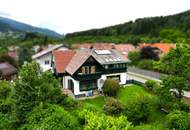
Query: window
(88,85)
(88,69)
(114,77)
(46,62)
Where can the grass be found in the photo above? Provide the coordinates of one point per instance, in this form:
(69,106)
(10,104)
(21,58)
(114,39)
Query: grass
(98,102)
(131,94)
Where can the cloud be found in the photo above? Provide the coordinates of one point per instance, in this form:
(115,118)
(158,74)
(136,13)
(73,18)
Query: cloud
(4,14)
(65,16)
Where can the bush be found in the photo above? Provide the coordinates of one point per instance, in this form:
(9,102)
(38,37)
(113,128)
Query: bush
(99,121)
(50,117)
(8,121)
(112,106)
(111,87)
(151,85)
(138,112)
(5,89)
(134,57)
(178,120)
(146,64)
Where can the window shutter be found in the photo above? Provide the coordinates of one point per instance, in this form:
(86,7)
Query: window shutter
(83,70)
(93,69)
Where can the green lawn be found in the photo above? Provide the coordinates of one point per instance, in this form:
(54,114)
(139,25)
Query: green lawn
(131,94)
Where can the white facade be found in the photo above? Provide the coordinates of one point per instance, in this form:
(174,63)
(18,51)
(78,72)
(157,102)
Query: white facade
(44,58)
(100,82)
(45,62)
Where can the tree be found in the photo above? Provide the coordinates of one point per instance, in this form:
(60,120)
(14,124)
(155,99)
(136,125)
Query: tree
(177,61)
(176,83)
(178,120)
(33,88)
(150,53)
(111,87)
(134,57)
(25,54)
(51,117)
(138,112)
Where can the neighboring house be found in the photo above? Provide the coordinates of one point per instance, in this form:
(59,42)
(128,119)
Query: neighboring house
(100,46)
(103,46)
(85,70)
(13,52)
(124,49)
(44,57)
(7,71)
(163,47)
(82,46)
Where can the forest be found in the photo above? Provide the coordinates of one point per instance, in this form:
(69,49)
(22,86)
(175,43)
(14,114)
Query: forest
(170,29)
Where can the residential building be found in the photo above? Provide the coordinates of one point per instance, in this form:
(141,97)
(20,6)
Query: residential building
(124,49)
(85,70)
(163,47)
(7,71)
(44,57)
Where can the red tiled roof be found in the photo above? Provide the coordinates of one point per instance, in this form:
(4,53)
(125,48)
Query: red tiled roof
(103,46)
(124,49)
(84,46)
(164,47)
(78,59)
(62,59)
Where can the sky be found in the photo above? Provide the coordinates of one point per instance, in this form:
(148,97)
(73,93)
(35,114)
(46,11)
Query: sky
(67,16)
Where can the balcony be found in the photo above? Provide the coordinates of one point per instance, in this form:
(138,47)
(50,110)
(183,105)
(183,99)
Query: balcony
(93,76)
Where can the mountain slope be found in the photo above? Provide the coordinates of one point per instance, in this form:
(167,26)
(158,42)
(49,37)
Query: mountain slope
(164,28)
(15,26)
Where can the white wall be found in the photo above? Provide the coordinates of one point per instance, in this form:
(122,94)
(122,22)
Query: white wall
(41,61)
(123,78)
(76,85)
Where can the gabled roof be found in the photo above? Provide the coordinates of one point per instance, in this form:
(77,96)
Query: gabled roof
(6,69)
(103,46)
(70,61)
(164,47)
(112,58)
(62,59)
(48,50)
(78,59)
(124,47)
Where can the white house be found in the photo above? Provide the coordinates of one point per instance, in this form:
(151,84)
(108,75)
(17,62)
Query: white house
(84,71)
(44,57)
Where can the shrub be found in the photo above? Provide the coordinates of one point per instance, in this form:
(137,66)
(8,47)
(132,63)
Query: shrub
(178,120)
(146,64)
(5,89)
(110,87)
(8,121)
(50,117)
(99,121)
(151,85)
(138,112)
(112,106)
(134,57)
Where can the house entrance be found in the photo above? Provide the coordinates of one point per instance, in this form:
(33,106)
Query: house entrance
(70,85)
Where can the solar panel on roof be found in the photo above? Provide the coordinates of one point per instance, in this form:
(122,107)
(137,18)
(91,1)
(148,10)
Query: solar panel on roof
(103,52)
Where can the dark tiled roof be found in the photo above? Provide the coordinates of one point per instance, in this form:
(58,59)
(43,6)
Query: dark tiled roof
(6,69)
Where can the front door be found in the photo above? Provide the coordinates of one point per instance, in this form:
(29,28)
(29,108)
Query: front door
(70,85)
